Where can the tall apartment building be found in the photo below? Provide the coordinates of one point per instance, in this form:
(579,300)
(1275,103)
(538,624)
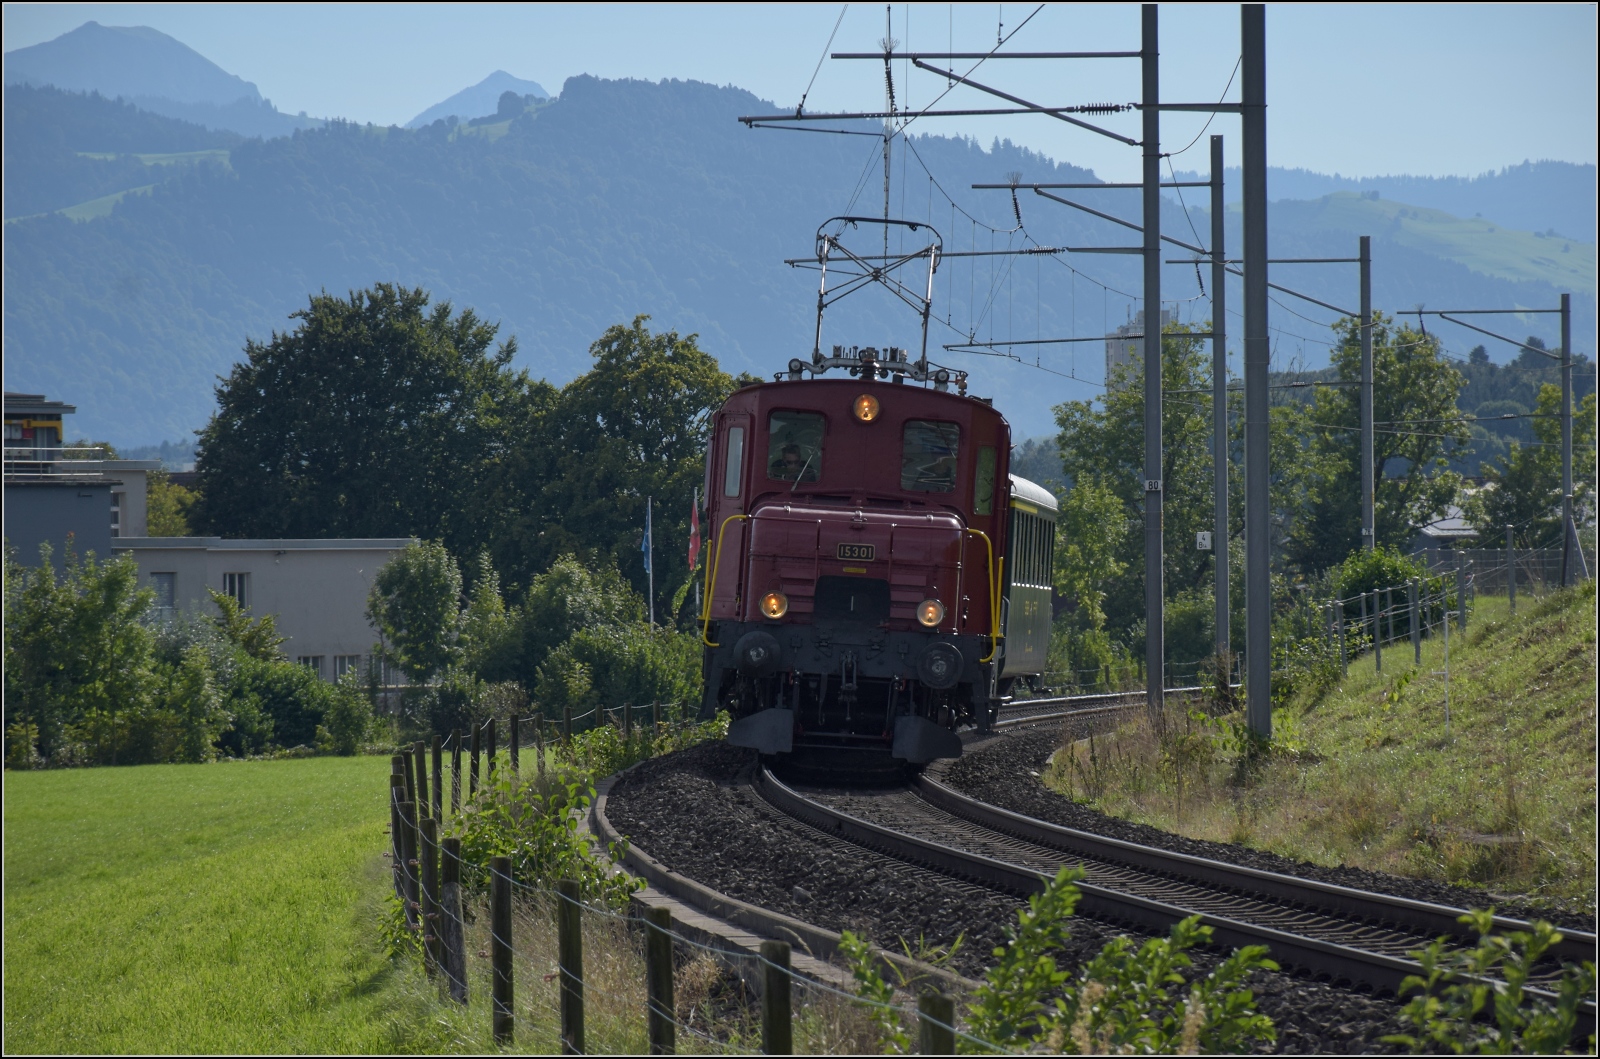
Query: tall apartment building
(1125,350)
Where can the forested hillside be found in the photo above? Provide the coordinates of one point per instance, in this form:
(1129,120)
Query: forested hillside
(616,198)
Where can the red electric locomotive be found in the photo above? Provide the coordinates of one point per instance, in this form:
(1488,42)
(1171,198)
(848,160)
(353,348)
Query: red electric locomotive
(876,578)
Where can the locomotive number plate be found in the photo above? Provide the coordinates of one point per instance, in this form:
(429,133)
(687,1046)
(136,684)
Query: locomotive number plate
(856,551)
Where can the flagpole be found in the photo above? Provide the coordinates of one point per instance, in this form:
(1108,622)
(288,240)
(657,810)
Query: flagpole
(650,558)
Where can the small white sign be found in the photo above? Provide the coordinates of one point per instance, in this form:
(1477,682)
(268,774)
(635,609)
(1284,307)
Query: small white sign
(1202,541)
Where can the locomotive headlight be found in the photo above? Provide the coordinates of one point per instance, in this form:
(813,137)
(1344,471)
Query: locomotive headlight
(930,612)
(774,604)
(866,408)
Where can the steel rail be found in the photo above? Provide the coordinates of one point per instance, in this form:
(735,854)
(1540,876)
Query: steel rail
(1027,711)
(1361,904)
(1374,969)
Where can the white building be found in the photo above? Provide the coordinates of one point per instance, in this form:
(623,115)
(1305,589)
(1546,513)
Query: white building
(1125,347)
(316,590)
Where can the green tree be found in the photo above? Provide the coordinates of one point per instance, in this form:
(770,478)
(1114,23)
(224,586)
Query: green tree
(375,417)
(1416,426)
(1523,489)
(1102,445)
(415,606)
(167,506)
(569,597)
(634,426)
(77,653)
(258,638)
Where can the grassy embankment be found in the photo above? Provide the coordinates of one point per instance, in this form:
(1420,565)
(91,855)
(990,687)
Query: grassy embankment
(202,908)
(1364,773)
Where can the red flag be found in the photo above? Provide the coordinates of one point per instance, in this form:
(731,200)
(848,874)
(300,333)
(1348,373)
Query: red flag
(694,533)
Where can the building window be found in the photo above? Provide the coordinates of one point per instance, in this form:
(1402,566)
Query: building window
(343,664)
(166,590)
(237,586)
(116,513)
(311,662)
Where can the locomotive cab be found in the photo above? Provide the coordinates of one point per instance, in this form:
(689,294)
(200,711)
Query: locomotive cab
(857,596)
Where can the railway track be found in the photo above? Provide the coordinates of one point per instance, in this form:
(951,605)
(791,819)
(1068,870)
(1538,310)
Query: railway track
(1033,711)
(1319,928)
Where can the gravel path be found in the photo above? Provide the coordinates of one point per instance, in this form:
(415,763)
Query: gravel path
(695,812)
(1005,772)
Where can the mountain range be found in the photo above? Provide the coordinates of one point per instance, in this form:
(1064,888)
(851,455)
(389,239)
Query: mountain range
(141,251)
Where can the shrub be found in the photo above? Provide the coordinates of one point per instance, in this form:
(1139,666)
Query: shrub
(531,821)
(1456,986)
(1125,1000)
(348,719)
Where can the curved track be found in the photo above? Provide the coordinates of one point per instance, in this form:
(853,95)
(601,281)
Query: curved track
(1326,930)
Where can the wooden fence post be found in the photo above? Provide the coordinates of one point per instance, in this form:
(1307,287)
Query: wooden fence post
(419,750)
(455,772)
(658,981)
(566,724)
(655,719)
(777,1026)
(627,722)
(936,1022)
(1413,591)
(477,748)
(438,779)
(490,749)
(409,771)
(569,944)
(538,745)
(452,935)
(408,853)
(505,1019)
(430,894)
(514,741)
(397,794)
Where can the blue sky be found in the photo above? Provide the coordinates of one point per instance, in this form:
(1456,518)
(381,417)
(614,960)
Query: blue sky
(1363,90)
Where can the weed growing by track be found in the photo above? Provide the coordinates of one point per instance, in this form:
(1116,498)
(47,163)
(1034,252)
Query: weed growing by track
(1365,772)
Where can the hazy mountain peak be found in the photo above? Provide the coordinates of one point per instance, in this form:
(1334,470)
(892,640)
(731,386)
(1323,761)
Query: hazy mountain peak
(481,99)
(128,61)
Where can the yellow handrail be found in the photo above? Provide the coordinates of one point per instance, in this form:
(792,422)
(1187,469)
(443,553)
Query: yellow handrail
(995,634)
(711,581)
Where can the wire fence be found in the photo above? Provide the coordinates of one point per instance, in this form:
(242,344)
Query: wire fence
(1412,611)
(584,976)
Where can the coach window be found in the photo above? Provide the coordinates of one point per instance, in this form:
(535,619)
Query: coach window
(794,446)
(735,461)
(928,456)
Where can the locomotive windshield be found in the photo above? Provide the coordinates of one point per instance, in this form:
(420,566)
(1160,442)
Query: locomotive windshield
(794,446)
(928,456)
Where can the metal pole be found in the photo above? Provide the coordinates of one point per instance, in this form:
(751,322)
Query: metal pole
(1414,590)
(1257,352)
(1154,600)
(1567,528)
(1511,572)
(1219,400)
(1369,536)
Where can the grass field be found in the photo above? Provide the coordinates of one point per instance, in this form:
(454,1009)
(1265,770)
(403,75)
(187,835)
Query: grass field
(202,908)
(1481,245)
(1369,775)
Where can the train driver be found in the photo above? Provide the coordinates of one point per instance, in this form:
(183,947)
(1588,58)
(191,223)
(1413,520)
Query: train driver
(794,464)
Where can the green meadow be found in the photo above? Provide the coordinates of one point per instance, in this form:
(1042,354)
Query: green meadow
(229,907)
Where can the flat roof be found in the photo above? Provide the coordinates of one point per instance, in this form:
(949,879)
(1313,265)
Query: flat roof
(219,544)
(36,404)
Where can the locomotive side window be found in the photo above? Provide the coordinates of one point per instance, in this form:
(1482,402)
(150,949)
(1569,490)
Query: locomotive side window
(983,482)
(928,456)
(794,446)
(735,460)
